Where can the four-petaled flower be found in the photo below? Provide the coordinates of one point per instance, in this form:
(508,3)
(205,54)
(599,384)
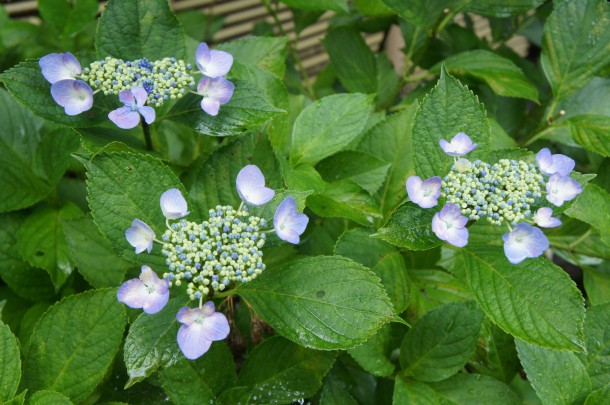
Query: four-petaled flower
(128,116)
(215,92)
(544,218)
(75,96)
(213,63)
(560,189)
(148,292)
(173,204)
(524,241)
(251,188)
(200,327)
(554,164)
(140,236)
(460,145)
(450,225)
(288,223)
(424,193)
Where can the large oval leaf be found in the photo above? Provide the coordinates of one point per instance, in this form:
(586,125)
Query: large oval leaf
(320,302)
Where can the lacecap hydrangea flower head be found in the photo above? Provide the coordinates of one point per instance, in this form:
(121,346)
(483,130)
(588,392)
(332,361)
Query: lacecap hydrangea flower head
(208,257)
(502,193)
(140,84)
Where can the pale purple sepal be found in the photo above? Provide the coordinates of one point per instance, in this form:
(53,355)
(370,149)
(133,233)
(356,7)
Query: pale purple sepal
(424,193)
(128,117)
(75,96)
(524,241)
(450,225)
(288,223)
(140,236)
(213,63)
(554,164)
(560,189)
(59,66)
(215,92)
(544,218)
(200,327)
(148,292)
(251,188)
(460,145)
(173,204)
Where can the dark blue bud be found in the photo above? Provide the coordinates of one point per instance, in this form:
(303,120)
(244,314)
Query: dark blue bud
(198,266)
(214,277)
(234,256)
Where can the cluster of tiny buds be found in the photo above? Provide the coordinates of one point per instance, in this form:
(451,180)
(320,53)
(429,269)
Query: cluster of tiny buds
(166,79)
(211,255)
(500,192)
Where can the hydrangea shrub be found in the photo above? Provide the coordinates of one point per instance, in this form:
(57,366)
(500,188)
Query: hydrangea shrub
(193,221)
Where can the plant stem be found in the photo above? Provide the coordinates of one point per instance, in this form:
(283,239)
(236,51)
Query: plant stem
(147,136)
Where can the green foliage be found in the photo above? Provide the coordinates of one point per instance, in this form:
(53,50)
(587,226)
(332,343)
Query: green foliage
(371,307)
(10,364)
(137,29)
(441,342)
(74,343)
(320,302)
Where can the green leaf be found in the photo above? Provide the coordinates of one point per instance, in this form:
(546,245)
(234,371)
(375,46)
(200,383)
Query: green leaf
(10,363)
(466,389)
(248,108)
(407,392)
(280,371)
(28,282)
(571,55)
(567,384)
(363,169)
(496,355)
(134,29)
(327,126)
(26,83)
(214,179)
(423,13)
(501,74)
(593,196)
(392,272)
(440,343)
(390,141)
(357,245)
(409,226)
(68,16)
(432,288)
(375,354)
(74,344)
(320,302)
(535,300)
(344,199)
(42,243)
(600,396)
(122,187)
(352,59)
(448,109)
(592,132)
(25,158)
(18,400)
(339,6)
(268,53)
(93,254)
(502,8)
(195,382)
(597,334)
(47,397)
(151,342)
(597,283)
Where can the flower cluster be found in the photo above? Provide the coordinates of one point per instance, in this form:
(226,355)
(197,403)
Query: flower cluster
(164,79)
(503,192)
(137,83)
(209,256)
